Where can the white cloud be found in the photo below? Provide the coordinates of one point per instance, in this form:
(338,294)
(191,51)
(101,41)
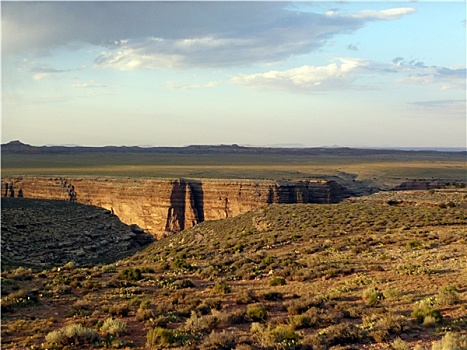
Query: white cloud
(40,76)
(416,72)
(389,14)
(347,71)
(88,85)
(211,84)
(308,78)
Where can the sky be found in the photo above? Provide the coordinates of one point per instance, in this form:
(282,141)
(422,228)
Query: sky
(315,73)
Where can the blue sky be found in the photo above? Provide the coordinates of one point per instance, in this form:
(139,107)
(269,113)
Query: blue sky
(361,74)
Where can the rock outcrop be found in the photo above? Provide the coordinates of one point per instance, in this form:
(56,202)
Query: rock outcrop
(38,232)
(161,206)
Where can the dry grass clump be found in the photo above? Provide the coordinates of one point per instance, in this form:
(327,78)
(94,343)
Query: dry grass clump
(73,334)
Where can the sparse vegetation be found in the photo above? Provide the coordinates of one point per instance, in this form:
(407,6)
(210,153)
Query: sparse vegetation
(362,273)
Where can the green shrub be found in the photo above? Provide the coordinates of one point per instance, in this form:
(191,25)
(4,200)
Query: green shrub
(181,264)
(145,314)
(451,341)
(391,293)
(199,324)
(145,303)
(182,284)
(447,296)
(245,297)
(221,288)
(285,337)
(372,296)
(399,344)
(424,309)
(20,298)
(113,327)
(256,312)
(299,321)
(413,244)
(277,281)
(121,310)
(130,274)
(218,341)
(162,338)
(281,337)
(75,334)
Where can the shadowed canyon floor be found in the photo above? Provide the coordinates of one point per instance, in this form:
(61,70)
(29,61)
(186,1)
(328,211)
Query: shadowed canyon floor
(387,271)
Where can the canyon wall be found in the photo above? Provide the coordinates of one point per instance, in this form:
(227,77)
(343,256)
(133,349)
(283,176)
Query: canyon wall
(162,206)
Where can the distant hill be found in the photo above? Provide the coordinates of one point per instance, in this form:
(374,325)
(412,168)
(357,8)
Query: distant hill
(17,147)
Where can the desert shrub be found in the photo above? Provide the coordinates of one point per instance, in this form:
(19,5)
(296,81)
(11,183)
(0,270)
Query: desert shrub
(372,296)
(245,297)
(425,309)
(227,319)
(182,284)
(215,304)
(341,333)
(199,324)
(413,244)
(221,288)
(147,269)
(145,314)
(413,269)
(20,298)
(277,281)
(218,341)
(281,337)
(447,296)
(209,273)
(145,303)
(75,334)
(181,264)
(91,285)
(399,344)
(391,293)
(451,341)
(256,312)
(114,327)
(296,307)
(108,268)
(20,274)
(299,321)
(119,310)
(159,337)
(273,296)
(80,308)
(130,274)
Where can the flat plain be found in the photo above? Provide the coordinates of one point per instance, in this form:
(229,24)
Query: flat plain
(386,271)
(383,169)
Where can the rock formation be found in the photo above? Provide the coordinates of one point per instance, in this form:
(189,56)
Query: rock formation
(161,206)
(37,232)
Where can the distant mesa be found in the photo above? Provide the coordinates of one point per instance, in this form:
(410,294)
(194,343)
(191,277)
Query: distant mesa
(17,146)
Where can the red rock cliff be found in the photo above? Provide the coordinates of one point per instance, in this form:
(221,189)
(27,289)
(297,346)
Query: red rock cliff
(161,206)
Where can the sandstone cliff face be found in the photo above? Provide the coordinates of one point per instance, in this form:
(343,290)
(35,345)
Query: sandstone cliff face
(161,206)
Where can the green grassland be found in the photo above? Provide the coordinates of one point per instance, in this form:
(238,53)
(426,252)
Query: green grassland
(258,166)
(361,274)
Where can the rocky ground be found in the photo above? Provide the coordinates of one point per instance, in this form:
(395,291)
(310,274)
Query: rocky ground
(37,232)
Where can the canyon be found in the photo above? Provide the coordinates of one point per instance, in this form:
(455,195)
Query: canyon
(163,206)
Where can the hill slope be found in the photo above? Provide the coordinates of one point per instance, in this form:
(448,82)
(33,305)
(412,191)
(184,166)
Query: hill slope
(350,275)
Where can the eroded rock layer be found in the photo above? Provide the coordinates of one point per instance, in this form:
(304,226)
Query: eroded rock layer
(43,232)
(161,206)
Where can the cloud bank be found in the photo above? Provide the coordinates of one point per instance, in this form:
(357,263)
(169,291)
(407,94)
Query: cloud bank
(344,74)
(153,35)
